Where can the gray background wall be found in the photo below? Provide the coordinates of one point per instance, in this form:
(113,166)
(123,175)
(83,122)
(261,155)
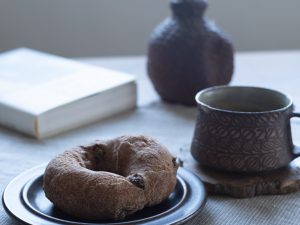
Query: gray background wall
(122,27)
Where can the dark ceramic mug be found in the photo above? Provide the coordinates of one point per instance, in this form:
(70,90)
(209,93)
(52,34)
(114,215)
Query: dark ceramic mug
(243,129)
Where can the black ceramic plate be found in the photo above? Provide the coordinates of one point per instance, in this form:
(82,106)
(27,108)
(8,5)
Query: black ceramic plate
(24,200)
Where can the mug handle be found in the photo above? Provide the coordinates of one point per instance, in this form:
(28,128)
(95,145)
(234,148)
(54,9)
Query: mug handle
(296,150)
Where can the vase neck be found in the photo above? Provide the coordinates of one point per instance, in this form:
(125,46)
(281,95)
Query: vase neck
(186,9)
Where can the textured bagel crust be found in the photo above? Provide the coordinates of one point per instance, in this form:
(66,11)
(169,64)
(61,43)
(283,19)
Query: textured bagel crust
(110,179)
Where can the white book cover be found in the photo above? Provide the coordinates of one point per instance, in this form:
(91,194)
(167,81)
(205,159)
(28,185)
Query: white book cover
(43,94)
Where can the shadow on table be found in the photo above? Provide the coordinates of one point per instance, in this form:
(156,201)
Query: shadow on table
(15,135)
(140,120)
(185,112)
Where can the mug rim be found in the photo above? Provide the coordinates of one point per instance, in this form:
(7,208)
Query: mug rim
(242,112)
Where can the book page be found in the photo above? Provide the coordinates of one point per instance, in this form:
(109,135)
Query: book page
(23,68)
(36,82)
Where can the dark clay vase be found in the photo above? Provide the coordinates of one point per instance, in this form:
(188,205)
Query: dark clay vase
(188,53)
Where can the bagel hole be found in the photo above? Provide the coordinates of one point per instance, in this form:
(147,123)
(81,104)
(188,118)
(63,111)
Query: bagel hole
(95,157)
(100,160)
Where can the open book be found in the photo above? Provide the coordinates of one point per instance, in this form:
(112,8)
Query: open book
(42,94)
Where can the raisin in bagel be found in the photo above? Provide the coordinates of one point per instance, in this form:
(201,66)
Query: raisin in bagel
(110,179)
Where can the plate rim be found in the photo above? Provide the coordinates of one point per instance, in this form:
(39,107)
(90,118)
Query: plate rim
(29,206)
(37,172)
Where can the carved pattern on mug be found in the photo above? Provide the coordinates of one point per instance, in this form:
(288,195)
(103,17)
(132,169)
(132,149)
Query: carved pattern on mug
(252,142)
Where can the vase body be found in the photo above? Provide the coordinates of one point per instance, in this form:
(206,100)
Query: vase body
(187,53)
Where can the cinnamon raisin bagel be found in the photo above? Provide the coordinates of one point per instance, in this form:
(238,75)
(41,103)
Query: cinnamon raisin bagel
(110,179)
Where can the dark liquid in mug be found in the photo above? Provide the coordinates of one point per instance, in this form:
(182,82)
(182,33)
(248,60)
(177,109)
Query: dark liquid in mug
(243,106)
(244,99)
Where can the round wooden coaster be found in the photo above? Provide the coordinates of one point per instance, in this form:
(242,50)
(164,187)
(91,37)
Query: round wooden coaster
(283,181)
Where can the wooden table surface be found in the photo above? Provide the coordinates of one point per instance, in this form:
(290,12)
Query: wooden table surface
(172,125)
